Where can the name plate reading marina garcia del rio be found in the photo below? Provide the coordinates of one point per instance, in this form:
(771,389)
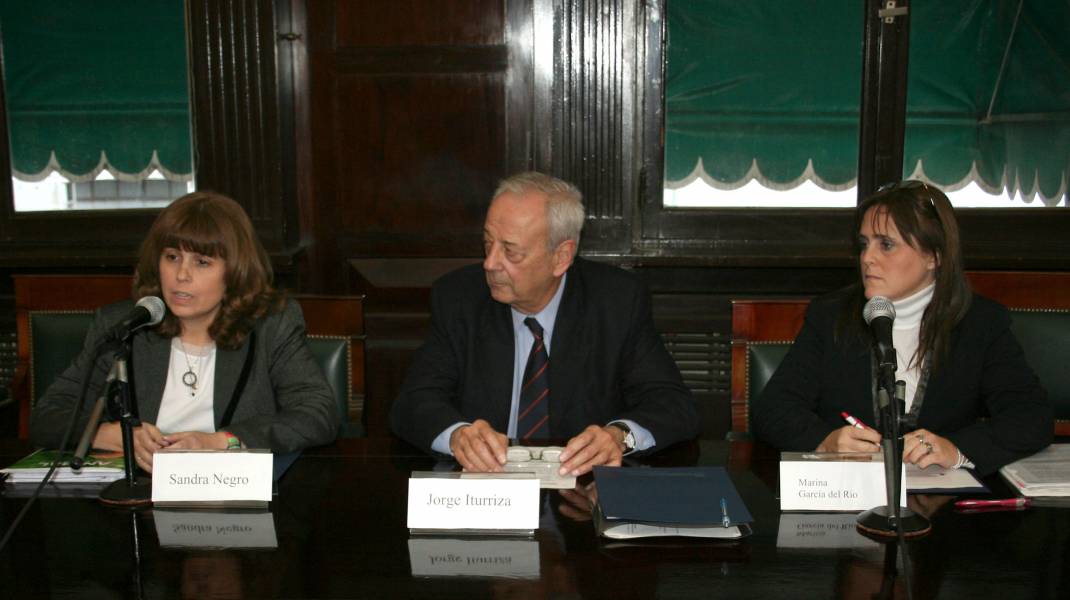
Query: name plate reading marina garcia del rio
(833,482)
(213,477)
(478,503)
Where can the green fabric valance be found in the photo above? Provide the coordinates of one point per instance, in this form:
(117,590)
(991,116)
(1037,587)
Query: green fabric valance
(771,91)
(94,85)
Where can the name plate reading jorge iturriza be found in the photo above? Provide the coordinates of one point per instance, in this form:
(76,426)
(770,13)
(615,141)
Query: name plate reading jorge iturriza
(477,502)
(832,482)
(232,477)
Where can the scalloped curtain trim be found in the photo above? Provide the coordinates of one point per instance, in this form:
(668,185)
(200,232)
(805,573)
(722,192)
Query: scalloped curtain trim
(1028,191)
(53,166)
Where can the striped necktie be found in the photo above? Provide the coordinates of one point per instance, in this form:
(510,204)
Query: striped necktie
(533,416)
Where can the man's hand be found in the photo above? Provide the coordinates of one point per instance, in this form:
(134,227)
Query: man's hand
(851,439)
(593,446)
(579,502)
(478,447)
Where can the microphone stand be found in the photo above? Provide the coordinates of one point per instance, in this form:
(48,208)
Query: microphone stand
(893,519)
(133,490)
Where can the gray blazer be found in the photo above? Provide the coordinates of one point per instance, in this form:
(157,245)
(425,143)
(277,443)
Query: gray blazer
(285,405)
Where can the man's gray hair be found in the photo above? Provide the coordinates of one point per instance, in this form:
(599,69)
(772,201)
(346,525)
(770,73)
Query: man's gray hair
(564,203)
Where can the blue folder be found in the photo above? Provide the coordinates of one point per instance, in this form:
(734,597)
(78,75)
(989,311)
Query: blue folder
(670,496)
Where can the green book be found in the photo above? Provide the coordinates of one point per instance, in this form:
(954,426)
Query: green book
(106,466)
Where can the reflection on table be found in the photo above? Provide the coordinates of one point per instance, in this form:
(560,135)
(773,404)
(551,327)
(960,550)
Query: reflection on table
(337,529)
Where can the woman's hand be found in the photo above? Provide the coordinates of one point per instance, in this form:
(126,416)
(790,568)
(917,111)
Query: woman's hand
(147,440)
(923,448)
(851,439)
(195,440)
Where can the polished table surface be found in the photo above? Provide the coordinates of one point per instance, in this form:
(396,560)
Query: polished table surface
(339,524)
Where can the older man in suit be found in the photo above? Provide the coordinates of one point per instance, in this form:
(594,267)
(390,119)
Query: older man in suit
(539,343)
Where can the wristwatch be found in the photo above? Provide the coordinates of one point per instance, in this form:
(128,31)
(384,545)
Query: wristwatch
(629,437)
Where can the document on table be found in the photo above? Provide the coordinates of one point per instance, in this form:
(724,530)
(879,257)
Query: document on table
(1046,473)
(935,479)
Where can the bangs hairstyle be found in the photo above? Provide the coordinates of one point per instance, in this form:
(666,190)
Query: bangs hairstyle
(564,204)
(924,218)
(213,225)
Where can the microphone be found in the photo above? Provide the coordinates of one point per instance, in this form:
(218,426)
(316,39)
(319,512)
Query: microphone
(879,314)
(148,311)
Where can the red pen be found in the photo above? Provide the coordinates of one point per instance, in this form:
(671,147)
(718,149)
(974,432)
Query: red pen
(1007,504)
(853,422)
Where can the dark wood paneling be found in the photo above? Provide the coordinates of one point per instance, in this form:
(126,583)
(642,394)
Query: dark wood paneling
(595,108)
(418,22)
(235,108)
(410,127)
(441,138)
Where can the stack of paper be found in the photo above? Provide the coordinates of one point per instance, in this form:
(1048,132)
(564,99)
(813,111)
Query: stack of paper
(97,468)
(1046,473)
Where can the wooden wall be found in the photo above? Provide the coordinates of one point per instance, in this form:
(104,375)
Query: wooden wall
(366,136)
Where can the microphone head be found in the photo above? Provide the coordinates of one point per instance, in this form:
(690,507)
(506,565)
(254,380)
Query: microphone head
(156,309)
(878,306)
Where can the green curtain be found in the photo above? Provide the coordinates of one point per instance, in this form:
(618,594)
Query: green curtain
(770,84)
(86,79)
(776,85)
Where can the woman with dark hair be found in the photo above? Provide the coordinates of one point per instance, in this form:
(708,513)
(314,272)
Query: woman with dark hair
(977,402)
(227,367)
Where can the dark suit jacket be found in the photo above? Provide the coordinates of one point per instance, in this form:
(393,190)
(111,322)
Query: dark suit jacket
(985,375)
(286,404)
(606,361)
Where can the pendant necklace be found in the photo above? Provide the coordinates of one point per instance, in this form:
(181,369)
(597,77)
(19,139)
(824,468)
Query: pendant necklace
(189,378)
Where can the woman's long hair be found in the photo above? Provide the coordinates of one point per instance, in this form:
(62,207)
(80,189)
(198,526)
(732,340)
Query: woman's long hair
(924,218)
(212,225)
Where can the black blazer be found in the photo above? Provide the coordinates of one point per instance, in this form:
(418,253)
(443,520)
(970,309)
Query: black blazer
(286,403)
(985,399)
(606,361)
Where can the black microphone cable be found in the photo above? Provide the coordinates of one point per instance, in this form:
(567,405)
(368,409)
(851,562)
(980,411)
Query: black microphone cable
(59,455)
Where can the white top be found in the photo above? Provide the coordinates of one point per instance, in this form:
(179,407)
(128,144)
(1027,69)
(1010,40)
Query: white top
(906,330)
(186,408)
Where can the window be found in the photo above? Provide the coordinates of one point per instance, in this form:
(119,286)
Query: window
(762,103)
(97,99)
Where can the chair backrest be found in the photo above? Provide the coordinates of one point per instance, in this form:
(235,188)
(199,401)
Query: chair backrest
(333,353)
(1045,339)
(762,333)
(55,340)
(54,312)
(763,330)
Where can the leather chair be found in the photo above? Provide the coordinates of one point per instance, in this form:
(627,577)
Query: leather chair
(334,353)
(1045,338)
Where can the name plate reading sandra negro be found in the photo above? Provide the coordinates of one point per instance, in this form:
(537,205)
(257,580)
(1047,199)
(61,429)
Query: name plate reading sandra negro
(211,477)
(833,482)
(479,503)
(212,530)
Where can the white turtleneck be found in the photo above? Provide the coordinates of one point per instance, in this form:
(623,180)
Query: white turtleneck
(905,332)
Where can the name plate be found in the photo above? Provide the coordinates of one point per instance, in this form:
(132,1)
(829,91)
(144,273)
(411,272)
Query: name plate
(833,482)
(502,502)
(200,529)
(507,558)
(240,478)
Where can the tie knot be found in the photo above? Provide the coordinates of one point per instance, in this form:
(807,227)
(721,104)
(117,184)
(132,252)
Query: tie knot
(534,326)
